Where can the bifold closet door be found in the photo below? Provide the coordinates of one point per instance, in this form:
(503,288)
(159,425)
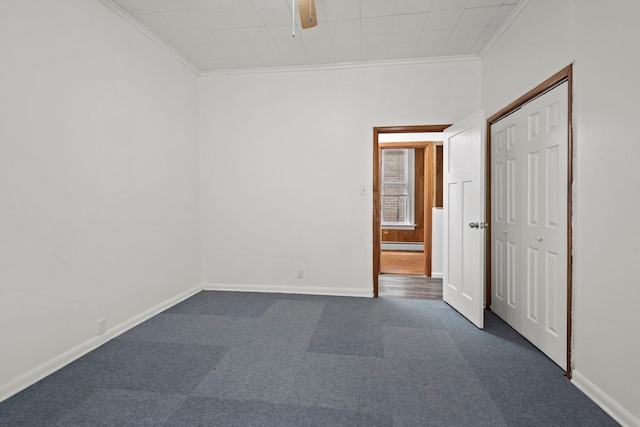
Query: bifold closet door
(529,209)
(506,223)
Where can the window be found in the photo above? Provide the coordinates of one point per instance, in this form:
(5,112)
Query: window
(397,188)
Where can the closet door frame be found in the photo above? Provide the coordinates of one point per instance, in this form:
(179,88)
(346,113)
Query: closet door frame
(564,75)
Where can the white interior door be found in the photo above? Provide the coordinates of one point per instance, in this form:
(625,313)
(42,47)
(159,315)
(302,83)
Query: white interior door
(464,222)
(505,224)
(529,221)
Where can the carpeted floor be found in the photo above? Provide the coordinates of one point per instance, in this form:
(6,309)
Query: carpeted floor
(244,359)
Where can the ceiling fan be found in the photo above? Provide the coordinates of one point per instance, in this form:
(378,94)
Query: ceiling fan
(307,10)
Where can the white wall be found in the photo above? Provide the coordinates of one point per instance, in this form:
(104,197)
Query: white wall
(99,214)
(437,239)
(602,39)
(283,157)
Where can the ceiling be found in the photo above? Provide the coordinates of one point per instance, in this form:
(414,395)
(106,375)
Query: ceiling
(218,35)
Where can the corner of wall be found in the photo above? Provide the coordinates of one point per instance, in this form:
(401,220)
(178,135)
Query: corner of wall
(39,372)
(606,402)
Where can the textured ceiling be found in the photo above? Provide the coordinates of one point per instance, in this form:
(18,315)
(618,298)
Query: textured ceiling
(232,34)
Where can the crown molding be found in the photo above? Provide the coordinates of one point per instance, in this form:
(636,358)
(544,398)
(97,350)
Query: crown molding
(118,10)
(341,66)
(522,5)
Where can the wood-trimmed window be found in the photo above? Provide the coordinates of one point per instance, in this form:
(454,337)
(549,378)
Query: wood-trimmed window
(398,194)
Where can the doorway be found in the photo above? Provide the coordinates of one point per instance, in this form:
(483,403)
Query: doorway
(403,244)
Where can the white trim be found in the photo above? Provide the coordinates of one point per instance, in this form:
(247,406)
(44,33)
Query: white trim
(602,399)
(437,275)
(342,66)
(39,372)
(277,289)
(503,28)
(410,137)
(118,10)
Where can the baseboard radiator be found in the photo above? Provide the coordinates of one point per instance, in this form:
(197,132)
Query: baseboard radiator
(402,246)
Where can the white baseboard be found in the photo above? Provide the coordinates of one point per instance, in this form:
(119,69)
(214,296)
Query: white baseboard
(274,289)
(33,376)
(437,275)
(606,402)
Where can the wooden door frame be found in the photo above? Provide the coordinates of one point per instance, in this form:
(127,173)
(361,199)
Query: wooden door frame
(564,75)
(429,158)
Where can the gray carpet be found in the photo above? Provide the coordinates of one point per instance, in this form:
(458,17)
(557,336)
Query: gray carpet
(245,359)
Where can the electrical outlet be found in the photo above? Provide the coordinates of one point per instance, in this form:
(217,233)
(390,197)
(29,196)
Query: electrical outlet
(300,274)
(363,190)
(102,326)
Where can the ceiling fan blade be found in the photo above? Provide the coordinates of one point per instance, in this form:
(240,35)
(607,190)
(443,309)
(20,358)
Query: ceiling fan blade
(307,10)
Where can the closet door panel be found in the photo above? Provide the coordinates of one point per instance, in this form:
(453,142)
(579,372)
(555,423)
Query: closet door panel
(529,224)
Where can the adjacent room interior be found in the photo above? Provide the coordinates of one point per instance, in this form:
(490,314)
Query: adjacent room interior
(408,173)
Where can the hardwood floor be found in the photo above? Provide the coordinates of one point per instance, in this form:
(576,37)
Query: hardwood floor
(402,262)
(409,286)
